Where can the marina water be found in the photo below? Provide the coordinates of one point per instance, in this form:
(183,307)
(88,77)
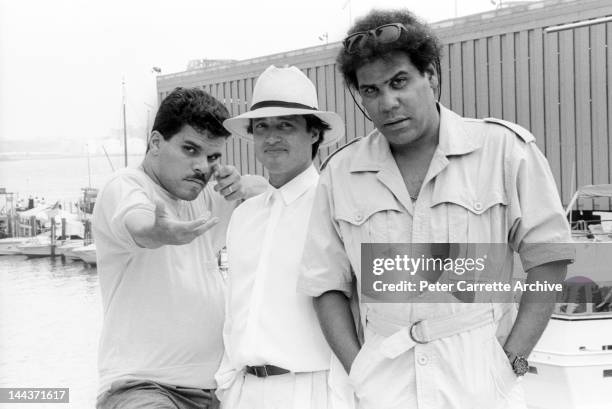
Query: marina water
(50,309)
(58,178)
(50,321)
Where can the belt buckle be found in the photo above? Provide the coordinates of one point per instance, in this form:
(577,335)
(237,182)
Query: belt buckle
(412,337)
(261,374)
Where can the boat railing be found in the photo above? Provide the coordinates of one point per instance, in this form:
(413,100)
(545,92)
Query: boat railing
(584,229)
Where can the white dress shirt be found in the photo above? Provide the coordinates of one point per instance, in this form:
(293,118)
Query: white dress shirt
(267,321)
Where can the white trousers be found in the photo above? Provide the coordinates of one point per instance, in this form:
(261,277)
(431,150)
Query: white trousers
(307,390)
(465,371)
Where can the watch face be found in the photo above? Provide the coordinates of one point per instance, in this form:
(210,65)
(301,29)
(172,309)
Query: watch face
(520,366)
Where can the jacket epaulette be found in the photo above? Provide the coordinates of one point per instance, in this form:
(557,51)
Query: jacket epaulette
(523,133)
(331,155)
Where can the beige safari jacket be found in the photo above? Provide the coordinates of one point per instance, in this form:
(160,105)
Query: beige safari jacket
(487,183)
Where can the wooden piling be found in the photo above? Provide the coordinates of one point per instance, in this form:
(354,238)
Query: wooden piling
(53,239)
(88,239)
(10,227)
(32,226)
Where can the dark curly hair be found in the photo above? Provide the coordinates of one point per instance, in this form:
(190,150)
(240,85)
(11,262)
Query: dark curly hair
(418,41)
(193,107)
(312,122)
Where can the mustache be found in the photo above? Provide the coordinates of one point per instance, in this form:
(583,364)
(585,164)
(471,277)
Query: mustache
(203,177)
(274,147)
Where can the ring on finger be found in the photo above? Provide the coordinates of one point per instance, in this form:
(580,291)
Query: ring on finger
(230,189)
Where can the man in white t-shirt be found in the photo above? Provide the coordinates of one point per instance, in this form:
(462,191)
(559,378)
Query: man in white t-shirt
(158,229)
(276,355)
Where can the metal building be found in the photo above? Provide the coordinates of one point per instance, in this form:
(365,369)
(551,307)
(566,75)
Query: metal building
(546,66)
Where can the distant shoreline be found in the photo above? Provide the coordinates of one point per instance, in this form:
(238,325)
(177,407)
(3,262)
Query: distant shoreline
(36,156)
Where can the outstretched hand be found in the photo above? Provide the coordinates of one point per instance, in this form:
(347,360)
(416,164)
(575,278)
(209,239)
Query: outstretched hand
(170,231)
(163,229)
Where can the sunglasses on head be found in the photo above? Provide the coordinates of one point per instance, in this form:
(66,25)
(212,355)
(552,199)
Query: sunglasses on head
(387,33)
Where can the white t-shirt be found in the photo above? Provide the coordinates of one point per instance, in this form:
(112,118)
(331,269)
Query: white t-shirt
(164,307)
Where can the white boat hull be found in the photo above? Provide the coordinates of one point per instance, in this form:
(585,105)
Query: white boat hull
(40,247)
(71,255)
(8,246)
(9,249)
(89,258)
(67,246)
(35,248)
(86,253)
(573,360)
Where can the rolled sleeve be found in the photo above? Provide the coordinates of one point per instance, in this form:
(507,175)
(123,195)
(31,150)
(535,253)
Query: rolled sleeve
(539,230)
(325,264)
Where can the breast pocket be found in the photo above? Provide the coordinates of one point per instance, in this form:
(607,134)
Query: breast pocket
(370,222)
(471,218)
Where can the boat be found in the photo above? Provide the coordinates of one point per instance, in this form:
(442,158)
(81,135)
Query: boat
(8,246)
(571,365)
(39,246)
(42,245)
(66,248)
(86,204)
(586,225)
(86,253)
(31,246)
(69,253)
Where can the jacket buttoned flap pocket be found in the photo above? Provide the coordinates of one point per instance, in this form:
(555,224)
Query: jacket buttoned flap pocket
(470,217)
(368,221)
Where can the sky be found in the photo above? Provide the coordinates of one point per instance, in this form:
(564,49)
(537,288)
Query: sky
(63,62)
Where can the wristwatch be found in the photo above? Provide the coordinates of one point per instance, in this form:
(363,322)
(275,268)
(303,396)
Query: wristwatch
(519,363)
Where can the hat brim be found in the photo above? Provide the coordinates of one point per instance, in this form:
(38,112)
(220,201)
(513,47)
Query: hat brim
(238,125)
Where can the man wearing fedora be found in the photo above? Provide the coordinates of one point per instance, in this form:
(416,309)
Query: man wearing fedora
(275,353)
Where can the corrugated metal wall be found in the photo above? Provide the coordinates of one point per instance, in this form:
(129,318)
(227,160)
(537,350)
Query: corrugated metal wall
(506,64)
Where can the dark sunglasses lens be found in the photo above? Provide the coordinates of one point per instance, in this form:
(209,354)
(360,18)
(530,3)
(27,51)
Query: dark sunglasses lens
(388,34)
(354,43)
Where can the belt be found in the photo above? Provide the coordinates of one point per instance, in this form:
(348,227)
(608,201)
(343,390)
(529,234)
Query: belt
(402,337)
(265,370)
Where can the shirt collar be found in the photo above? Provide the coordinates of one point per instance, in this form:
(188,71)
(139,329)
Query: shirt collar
(374,152)
(454,138)
(296,187)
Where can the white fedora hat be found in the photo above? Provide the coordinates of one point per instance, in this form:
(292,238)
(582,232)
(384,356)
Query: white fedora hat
(283,92)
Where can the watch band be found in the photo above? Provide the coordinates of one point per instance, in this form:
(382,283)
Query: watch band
(519,363)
